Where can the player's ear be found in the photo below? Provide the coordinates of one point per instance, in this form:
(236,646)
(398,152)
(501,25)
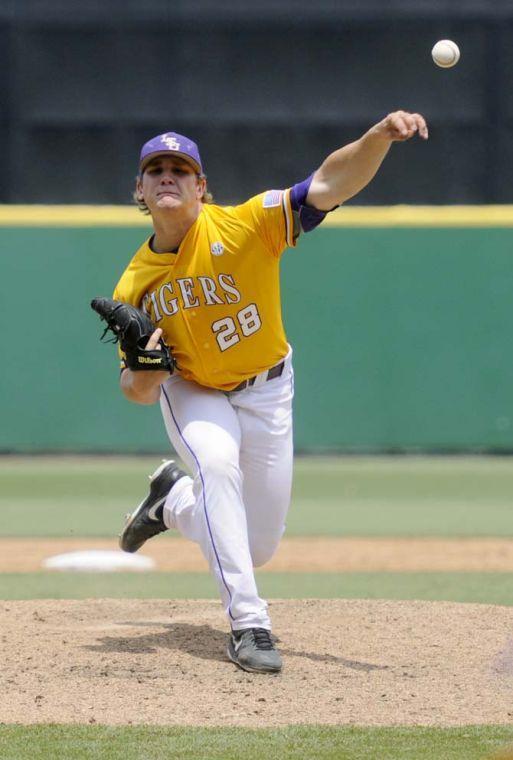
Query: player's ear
(138,189)
(201,186)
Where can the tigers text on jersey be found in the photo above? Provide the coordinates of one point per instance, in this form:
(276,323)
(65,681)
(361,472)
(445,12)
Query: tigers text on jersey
(217,299)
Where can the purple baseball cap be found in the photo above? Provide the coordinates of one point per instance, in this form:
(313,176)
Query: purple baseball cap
(170,142)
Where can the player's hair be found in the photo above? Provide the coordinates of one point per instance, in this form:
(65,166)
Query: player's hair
(207,196)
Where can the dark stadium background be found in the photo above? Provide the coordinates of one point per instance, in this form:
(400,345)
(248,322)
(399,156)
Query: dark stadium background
(266,92)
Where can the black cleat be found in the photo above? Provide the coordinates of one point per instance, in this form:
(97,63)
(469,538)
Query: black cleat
(253,650)
(146,521)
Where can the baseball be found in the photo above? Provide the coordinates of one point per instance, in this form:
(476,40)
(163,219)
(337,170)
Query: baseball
(446,53)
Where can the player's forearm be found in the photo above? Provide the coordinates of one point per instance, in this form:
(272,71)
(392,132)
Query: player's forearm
(348,170)
(142,387)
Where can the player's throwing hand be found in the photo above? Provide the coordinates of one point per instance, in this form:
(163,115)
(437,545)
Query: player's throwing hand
(401,125)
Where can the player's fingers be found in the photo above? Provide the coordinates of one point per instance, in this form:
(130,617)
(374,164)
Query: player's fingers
(153,342)
(422,126)
(408,124)
(398,126)
(414,123)
(411,123)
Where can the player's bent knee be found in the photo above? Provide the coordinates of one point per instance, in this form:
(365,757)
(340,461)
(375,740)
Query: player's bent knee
(220,465)
(262,554)
(261,558)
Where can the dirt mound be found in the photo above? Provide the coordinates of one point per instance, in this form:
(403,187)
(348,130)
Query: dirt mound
(163,662)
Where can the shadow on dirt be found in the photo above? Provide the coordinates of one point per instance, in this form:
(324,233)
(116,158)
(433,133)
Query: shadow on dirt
(317,657)
(201,641)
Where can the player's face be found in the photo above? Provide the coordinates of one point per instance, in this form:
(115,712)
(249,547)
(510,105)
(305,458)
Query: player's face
(170,182)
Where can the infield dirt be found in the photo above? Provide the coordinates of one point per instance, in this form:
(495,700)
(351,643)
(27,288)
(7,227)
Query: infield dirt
(309,555)
(163,662)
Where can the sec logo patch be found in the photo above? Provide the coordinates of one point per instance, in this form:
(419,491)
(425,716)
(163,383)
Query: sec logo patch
(217,249)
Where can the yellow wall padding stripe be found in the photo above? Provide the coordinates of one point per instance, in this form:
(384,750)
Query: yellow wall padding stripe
(346,216)
(421,216)
(72,216)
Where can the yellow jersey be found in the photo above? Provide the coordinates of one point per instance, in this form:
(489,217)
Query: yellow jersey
(217,299)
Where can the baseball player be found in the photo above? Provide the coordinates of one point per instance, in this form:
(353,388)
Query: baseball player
(209,279)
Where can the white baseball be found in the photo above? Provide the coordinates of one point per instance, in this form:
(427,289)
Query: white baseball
(446,53)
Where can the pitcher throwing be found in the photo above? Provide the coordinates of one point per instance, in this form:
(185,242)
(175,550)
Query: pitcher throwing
(208,278)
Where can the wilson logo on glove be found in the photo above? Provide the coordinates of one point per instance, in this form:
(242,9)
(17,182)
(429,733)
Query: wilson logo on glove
(147,360)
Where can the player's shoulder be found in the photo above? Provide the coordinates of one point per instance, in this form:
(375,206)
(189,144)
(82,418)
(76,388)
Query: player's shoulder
(272,198)
(125,287)
(266,200)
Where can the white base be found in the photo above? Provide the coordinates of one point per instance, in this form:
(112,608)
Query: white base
(99,561)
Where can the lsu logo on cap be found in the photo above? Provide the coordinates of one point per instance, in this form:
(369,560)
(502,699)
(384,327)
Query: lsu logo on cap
(272,198)
(170,142)
(217,249)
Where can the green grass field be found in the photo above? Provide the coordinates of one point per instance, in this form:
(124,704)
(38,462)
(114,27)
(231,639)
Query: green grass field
(294,743)
(485,588)
(87,497)
(395,496)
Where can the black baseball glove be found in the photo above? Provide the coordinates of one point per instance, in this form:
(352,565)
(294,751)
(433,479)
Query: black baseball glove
(133,329)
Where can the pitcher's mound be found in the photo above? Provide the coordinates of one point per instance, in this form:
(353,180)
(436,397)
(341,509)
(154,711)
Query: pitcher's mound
(163,662)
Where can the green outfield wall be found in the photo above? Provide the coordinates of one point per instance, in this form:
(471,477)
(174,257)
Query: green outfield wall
(401,321)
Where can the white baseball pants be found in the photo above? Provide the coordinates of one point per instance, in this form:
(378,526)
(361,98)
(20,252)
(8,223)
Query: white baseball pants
(238,447)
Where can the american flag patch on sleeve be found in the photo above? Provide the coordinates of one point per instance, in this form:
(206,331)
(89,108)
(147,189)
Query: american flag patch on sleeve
(272,198)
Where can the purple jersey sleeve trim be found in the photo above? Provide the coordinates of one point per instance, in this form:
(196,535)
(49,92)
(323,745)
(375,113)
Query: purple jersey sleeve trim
(298,193)
(309,216)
